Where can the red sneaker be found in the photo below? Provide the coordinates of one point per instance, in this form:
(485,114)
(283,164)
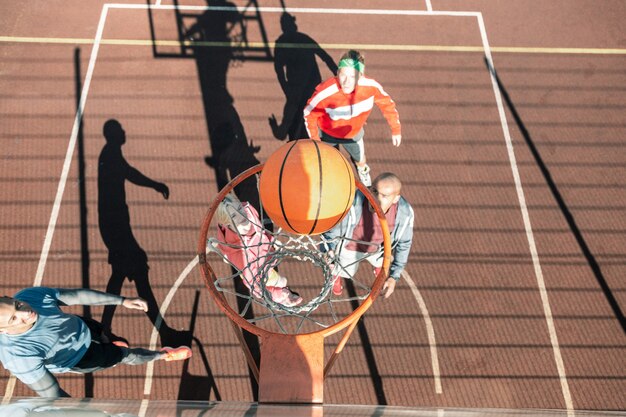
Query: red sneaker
(176,354)
(338,286)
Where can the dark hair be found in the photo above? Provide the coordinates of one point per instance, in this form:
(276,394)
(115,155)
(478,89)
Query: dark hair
(7,300)
(355,55)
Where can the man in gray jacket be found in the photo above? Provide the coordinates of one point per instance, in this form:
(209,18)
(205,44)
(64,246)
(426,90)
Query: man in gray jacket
(359,236)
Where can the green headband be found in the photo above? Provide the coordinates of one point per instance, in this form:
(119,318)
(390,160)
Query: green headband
(352,63)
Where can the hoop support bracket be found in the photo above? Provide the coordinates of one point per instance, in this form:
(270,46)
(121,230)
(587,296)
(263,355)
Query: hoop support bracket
(292,369)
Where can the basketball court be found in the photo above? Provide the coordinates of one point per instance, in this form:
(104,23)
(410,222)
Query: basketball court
(512,158)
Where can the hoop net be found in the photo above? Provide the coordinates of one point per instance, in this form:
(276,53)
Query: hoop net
(284,249)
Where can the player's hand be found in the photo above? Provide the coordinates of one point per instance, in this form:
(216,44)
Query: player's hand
(135,304)
(163,189)
(388,287)
(396,139)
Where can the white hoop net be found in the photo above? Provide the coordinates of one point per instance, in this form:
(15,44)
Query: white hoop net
(309,270)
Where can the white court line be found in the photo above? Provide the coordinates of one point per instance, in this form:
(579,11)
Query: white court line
(8,391)
(155,332)
(376,12)
(70,152)
(56,207)
(143,407)
(429,6)
(430,330)
(529,231)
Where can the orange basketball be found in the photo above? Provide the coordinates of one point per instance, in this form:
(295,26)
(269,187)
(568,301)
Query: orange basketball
(307,187)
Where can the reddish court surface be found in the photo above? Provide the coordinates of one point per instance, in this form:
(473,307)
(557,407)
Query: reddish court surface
(512,327)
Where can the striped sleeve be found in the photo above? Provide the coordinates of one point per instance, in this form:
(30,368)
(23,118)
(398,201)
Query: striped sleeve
(313,110)
(386,105)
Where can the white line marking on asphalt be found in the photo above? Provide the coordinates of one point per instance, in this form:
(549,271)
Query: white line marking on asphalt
(529,231)
(430,330)
(56,207)
(155,330)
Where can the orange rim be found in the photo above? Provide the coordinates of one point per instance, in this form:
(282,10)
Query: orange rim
(209,277)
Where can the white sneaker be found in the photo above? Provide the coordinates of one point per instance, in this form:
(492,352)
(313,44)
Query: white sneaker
(364,175)
(281,282)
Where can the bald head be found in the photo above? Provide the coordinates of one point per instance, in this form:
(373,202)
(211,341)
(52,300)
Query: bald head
(390,179)
(386,187)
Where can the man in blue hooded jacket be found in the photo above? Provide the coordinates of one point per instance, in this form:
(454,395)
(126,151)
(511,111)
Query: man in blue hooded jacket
(39,340)
(362,236)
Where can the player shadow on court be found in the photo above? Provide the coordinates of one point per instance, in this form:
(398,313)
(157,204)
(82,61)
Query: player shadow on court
(127,258)
(368,351)
(567,214)
(298,74)
(211,36)
(231,151)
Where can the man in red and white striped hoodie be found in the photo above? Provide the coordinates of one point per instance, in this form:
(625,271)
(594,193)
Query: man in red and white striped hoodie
(340,106)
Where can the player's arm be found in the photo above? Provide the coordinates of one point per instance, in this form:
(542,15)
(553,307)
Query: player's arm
(48,387)
(311,116)
(87,297)
(388,107)
(400,258)
(312,112)
(137,178)
(279,68)
(402,248)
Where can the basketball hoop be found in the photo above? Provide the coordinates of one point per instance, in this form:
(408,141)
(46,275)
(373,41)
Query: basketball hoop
(292,368)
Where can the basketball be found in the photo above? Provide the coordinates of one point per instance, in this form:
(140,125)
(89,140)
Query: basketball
(306,187)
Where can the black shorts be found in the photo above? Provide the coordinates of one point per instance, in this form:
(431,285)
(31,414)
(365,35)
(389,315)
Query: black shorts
(101,353)
(355,146)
